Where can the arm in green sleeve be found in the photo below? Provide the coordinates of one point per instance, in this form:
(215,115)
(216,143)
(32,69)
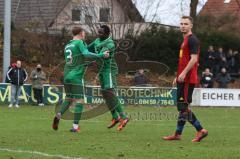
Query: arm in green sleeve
(89,54)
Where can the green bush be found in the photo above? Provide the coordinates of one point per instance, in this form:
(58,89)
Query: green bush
(162,44)
(157,44)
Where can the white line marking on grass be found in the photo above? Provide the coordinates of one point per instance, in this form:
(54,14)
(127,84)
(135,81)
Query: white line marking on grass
(37,153)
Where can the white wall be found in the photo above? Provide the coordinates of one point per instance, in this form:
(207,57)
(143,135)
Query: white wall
(216,97)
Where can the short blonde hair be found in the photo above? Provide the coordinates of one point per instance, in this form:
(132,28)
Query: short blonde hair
(188,17)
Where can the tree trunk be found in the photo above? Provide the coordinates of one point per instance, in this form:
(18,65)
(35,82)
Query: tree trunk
(193,11)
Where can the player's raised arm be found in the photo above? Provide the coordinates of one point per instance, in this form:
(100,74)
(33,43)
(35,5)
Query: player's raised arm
(92,55)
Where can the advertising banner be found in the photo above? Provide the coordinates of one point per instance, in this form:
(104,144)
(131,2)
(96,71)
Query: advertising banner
(150,96)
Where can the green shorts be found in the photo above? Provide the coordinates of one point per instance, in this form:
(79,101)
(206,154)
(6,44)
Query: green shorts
(108,80)
(74,85)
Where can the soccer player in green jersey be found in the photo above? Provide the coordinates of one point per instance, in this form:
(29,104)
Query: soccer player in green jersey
(75,53)
(108,71)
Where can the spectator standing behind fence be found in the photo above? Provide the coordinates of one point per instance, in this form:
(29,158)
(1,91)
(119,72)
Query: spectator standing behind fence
(237,61)
(13,65)
(17,77)
(210,57)
(223,63)
(218,59)
(223,78)
(140,79)
(207,79)
(38,77)
(231,61)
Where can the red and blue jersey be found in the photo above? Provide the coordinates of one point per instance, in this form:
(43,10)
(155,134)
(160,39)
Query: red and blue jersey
(189,46)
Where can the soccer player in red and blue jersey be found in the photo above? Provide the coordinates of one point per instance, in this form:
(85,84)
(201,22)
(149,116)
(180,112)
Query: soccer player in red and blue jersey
(186,80)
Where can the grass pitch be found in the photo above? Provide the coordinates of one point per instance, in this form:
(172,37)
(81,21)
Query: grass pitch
(26,133)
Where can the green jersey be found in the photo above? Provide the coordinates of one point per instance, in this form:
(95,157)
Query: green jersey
(108,64)
(75,53)
(73,56)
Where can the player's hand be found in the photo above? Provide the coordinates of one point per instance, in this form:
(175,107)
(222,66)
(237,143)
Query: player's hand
(174,81)
(106,54)
(181,77)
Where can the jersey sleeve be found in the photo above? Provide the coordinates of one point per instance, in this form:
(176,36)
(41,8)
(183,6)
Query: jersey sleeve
(88,54)
(193,44)
(9,74)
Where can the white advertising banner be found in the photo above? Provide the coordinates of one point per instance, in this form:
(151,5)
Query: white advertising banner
(216,97)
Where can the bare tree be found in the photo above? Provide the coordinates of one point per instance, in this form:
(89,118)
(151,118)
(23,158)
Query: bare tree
(193,12)
(193,8)
(133,24)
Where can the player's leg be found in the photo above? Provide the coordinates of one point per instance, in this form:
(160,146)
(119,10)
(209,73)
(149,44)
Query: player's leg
(182,116)
(77,115)
(113,84)
(109,83)
(191,116)
(118,106)
(201,133)
(65,105)
(63,108)
(120,109)
(115,106)
(111,107)
(69,87)
(78,93)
